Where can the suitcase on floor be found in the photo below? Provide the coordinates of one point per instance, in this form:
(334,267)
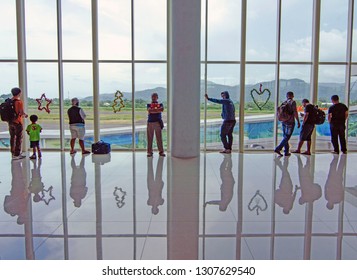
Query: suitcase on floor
(101,148)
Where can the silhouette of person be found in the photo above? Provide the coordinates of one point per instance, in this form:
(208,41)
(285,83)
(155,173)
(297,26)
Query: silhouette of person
(36,185)
(284,196)
(155,185)
(16,204)
(227,185)
(334,189)
(310,191)
(78,189)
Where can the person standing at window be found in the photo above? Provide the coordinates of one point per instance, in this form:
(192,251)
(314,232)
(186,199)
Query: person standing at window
(307,128)
(288,125)
(229,120)
(16,126)
(337,116)
(76,117)
(155,125)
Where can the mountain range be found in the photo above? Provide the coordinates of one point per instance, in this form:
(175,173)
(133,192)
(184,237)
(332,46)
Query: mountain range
(299,87)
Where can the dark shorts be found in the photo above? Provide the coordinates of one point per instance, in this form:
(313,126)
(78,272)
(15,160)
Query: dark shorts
(34,144)
(306,132)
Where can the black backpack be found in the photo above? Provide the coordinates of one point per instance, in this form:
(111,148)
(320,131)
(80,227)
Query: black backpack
(319,115)
(7,110)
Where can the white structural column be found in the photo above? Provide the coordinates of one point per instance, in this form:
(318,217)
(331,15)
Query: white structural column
(60,72)
(315,58)
(95,69)
(242,74)
(184,74)
(21,55)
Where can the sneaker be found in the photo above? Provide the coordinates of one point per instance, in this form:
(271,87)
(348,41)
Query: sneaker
(18,157)
(278,152)
(345,152)
(334,153)
(287,154)
(33,156)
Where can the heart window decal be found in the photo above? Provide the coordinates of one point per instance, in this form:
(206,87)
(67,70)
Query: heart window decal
(256,96)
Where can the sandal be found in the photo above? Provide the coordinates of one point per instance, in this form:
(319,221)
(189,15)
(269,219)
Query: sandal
(296,152)
(306,153)
(73,152)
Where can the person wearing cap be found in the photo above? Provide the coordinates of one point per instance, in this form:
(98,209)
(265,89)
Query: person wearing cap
(16,126)
(76,117)
(229,120)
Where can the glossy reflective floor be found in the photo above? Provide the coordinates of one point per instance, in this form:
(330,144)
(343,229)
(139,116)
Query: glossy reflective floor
(251,206)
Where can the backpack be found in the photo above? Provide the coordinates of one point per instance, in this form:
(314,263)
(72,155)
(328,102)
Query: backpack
(7,110)
(319,116)
(284,111)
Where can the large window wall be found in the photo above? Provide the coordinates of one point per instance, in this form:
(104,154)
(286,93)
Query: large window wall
(60,60)
(278,58)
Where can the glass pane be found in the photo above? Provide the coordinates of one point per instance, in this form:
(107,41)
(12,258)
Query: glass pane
(296,27)
(149,78)
(41,29)
(333,32)
(43,78)
(261,30)
(115,128)
(224,29)
(220,77)
(8,40)
(150,29)
(77,29)
(331,81)
(354,41)
(114,29)
(78,82)
(352,121)
(259,107)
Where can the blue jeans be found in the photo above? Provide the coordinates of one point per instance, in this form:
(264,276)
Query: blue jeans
(288,130)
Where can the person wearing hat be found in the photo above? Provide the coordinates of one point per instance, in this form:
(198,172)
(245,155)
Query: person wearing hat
(16,126)
(229,120)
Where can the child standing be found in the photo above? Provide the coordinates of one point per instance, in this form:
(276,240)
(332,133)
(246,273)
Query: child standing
(34,130)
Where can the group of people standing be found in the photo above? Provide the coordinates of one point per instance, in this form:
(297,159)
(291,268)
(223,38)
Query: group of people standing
(337,116)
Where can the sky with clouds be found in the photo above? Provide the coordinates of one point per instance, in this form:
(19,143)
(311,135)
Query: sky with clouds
(150,42)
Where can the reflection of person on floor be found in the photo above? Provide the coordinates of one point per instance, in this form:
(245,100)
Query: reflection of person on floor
(36,185)
(78,189)
(334,190)
(227,185)
(155,185)
(284,195)
(310,191)
(17,202)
